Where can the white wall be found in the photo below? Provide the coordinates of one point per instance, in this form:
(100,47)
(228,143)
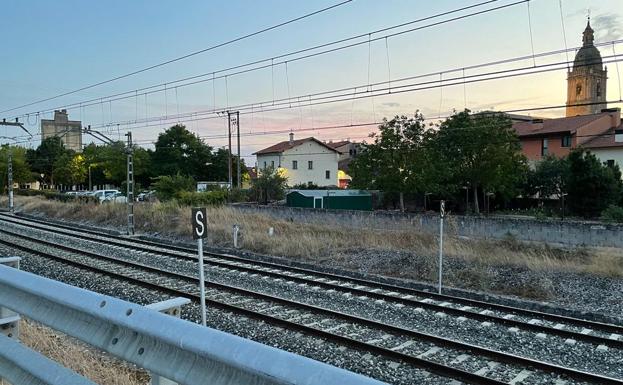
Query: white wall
(323,160)
(605,154)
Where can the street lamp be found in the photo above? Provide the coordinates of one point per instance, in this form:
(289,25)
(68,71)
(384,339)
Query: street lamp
(90,184)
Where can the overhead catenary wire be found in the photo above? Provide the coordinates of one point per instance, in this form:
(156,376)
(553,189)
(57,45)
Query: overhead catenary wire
(158,88)
(179,58)
(346,94)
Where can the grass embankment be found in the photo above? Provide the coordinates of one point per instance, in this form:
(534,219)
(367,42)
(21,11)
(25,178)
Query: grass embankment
(402,252)
(70,353)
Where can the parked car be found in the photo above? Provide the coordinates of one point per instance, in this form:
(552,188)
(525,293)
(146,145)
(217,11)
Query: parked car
(117,197)
(102,195)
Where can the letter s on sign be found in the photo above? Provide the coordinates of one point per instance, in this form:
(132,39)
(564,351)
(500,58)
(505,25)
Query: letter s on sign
(199,223)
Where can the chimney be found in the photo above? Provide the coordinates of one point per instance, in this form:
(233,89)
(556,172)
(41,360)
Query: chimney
(615,116)
(291,137)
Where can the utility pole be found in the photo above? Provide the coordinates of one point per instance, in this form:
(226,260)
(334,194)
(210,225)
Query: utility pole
(10,160)
(130,184)
(10,173)
(239,184)
(229,165)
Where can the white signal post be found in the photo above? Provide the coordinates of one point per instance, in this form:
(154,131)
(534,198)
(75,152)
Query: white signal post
(442,214)
(199,222)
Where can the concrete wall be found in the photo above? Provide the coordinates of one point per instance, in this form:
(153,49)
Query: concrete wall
(568,233)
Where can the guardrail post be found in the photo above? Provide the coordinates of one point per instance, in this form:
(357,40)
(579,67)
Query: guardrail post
(9,320)
(236,230)
(172,307)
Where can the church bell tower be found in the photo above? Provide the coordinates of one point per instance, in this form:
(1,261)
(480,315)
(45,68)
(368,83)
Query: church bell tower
(586,82)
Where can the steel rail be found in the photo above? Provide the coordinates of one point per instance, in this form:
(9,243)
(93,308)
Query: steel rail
(418,362)
(121,241)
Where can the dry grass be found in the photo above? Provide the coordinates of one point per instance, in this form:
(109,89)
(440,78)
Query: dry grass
(97,366)
(329,242)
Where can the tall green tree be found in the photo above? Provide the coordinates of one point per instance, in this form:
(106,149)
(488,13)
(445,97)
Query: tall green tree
(21,168)
(549,177)
(177,150)
(45,157)
(269,185)
(592,185)
(70,169)
(480,151)
(396,161)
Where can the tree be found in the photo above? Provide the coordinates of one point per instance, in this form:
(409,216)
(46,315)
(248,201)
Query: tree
(395,161)
(269,185)
(70,169)
(592,186)
(169,186)
(43,159)
(481,151)
(549,178)
(21,169)
(109,163)
(180,151)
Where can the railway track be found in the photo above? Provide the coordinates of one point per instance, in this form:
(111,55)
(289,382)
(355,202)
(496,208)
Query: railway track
(446,357)
(539,322)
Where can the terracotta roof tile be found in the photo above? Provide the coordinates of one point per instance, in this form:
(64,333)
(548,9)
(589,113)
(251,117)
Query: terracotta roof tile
(286,145)
(550,126)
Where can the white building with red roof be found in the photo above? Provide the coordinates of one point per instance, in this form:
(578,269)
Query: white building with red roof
(302,161)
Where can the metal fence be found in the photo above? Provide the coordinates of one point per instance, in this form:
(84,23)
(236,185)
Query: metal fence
(169,347)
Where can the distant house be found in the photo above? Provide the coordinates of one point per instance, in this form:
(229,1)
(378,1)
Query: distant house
(302,161)
(330,199)
(348,151)
(601,133)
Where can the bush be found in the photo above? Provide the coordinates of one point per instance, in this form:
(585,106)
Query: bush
(170,186)
(57,196)
(238,195)
(204,198)
(612,214)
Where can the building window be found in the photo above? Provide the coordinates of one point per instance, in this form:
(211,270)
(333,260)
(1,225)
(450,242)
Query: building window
(295,165)
(272,164)
(566,141)
(327,174)
(598,91)
(578,89)
(610,162)
(618,136)
(310,164)
(544,147)
(264,164)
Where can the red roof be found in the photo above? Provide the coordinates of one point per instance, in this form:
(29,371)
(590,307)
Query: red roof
(338,144)
(286,145)
(604,140)
(551,126)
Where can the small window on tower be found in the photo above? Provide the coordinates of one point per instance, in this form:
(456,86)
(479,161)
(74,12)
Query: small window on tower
(578,89)
(598,90)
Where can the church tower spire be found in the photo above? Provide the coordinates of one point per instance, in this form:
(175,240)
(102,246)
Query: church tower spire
(586,82)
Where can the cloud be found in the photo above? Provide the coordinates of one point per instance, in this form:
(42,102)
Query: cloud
(608,26)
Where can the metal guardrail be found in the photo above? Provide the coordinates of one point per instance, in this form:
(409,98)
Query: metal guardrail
(178,350)
(20,365)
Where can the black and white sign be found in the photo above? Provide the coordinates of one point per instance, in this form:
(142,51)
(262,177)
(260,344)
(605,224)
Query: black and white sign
(199,222)
(442,209)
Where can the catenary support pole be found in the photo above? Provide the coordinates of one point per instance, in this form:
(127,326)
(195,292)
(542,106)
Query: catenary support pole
(229,165)
(442,209)
(130,185)
(10,181)
(239,179)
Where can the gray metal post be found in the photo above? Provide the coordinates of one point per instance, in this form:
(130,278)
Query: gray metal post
(10,174)
(172,307)
(236,230)
(239,179)
(9,320)
(442,209)
(229,165)
(130,185)
(202,287)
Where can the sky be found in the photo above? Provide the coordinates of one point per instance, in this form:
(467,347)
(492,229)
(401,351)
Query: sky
(50,48)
